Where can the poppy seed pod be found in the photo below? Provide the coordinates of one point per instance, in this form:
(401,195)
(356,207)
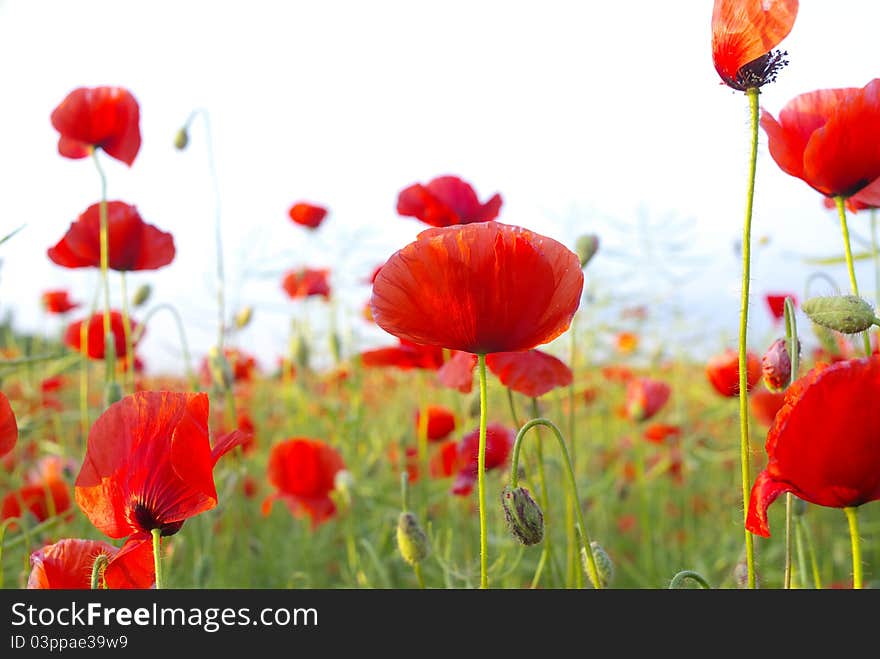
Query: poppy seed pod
(604,564)
(411,539)
(586,248)
(523,515)
(847,314)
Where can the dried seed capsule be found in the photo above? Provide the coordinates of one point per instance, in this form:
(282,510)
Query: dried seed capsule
(847,314)
(523,515)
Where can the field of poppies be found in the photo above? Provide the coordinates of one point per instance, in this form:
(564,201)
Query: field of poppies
(485,445)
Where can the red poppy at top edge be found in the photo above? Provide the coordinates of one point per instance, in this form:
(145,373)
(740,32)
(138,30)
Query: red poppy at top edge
(744,34)
(446,200)
(824,444)
(478,288)
(827,138)
(98,117)
(133,244)
(530,372)
(307,215)
(8,426)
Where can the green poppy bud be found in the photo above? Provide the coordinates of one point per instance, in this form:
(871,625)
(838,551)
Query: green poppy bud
(411,539)
(243,317)
(221,371)
(586,248)
(604,564)
(847,314)
(523,515)
(141,295)
(181,139)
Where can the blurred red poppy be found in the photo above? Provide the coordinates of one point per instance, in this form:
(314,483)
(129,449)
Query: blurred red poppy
(307,282)
(58,301)
(499,442)
(95,335)
(824,444)
(440,422)
(307,214)
(744,32)
(764,404)
(479,288)
(405,355)
(242,365)
(42,499)
(826,138)
(104,117)
(133,244)
(776,304)
(444,201)
(530,372)
(645,397)
(8,426)
(444,461)
(303,471)
(616,373)
(67,565)
(626,342)
(659,433)
(457,372)
(723,372)
(149,465)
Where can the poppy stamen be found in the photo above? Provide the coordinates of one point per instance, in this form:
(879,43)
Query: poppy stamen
(760,71)
(144,517)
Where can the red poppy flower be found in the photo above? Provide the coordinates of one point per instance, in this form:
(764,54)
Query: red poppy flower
(149,465)
(445,201)
(307,282)
(39,498)
(405,355)
(304,471)
(445,460)
(67,565)
(744,32)
(499,442)
(659,433)
(826,138)
(242,365)
(776,304)
(645,397)
(824,444)
(411,461)
(8,426)
(457,372)
(307,215)
(99,117)
(479,288)
(530,372)
(764,404)
(95,335)
(132,243)
(441,422)
(723,372)
(58,301)
(616,373)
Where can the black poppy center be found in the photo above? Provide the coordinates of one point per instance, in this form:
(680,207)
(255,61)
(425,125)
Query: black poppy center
(760,71)
(146,519)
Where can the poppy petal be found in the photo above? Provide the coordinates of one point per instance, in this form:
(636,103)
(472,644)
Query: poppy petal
(8,426)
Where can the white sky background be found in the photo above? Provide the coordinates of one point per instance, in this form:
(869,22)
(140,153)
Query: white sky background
(586,117)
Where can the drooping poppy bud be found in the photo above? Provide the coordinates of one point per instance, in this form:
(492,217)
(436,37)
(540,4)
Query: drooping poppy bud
(411,539)
(847,314)
(604,565)
(523,515)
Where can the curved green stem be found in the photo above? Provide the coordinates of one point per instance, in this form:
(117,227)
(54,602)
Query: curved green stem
(187,361)
(545,499)
(481,479)
(743,329)
(98,571)
(585,538)
(679,578)
(852,518)
(157,556)
(850,268)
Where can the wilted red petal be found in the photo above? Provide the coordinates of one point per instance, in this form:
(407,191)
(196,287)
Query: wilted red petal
(101,117)
(8,426)
(479,288)
(530,372)
(307,214)
(148,464)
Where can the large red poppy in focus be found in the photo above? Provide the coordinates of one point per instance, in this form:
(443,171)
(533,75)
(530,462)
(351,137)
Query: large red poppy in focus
(95,343)
(98,117)
(530,372)
(824,444)
(303,471)
(723,372)
(67,565)
(446,200)
(8,426)
(744,32)
(828,137)
(149,465)
(479,288)
(132,243)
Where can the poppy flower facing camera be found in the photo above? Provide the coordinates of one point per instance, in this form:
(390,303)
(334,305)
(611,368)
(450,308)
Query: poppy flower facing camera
(106,118)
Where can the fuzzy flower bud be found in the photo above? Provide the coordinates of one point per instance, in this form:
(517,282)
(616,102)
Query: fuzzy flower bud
(181,139)
(141,295)
(604,564)
(586,248)
(523,515)
(776,365)
(847,314)
(411,539)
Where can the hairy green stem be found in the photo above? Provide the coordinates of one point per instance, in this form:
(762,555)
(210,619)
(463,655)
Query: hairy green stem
(104,244)
(679,578)
(157,556)
(855,541)
(850,267)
